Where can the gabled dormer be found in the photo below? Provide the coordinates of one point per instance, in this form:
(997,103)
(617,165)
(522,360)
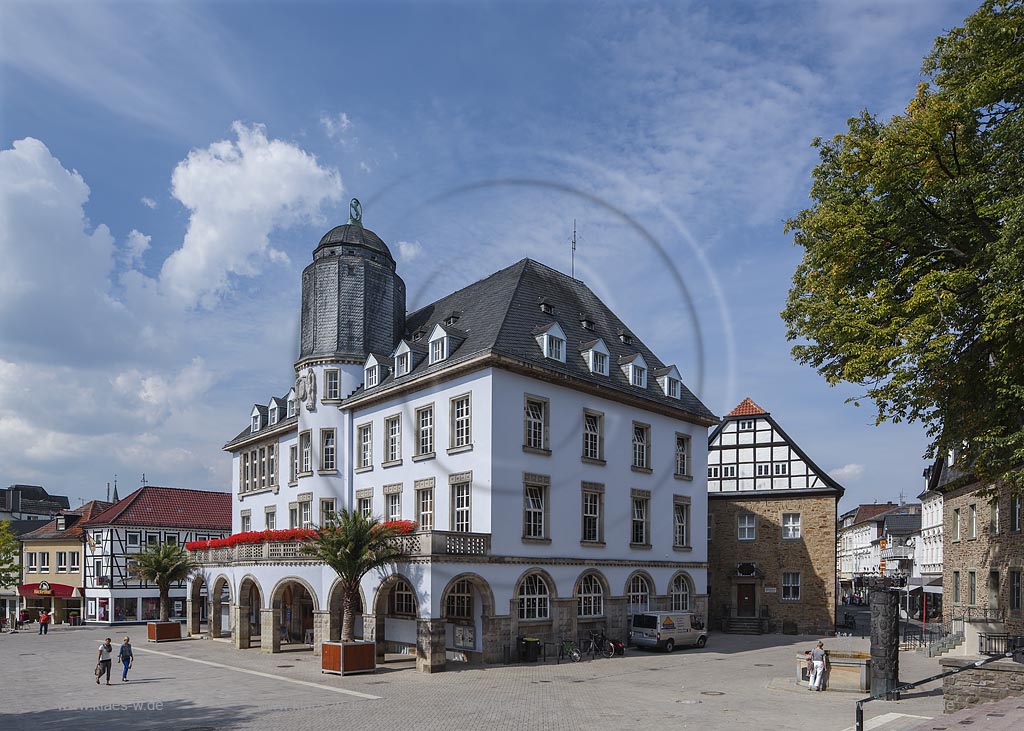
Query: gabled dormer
(670,381)
(276,411)
(443,341)
(290,404)
(595,354)
(551,339)
(406,357)
(258,418)
(374,370)
(635,368)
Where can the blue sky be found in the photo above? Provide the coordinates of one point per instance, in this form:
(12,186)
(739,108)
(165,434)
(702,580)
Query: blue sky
(166,170)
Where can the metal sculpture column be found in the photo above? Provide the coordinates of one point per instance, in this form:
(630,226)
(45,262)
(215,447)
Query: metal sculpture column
(885,634)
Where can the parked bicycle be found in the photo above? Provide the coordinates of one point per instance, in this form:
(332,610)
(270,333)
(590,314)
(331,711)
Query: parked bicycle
(599,644)
(568,648)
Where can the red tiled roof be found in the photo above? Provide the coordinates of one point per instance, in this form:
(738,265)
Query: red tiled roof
(170,507)
(867,512)
(747,408)
(74,519)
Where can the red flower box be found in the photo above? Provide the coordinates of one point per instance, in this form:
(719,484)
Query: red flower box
(402,527)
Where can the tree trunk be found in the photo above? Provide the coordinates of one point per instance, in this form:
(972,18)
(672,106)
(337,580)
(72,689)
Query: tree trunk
(165,603)
(348,601)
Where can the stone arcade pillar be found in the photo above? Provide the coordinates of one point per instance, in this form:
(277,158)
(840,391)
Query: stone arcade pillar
(270,628)
(322,629)
(373,631)
(563,618)
(213,621)
(240,619)
(430,653)
(885,639)
(194,610)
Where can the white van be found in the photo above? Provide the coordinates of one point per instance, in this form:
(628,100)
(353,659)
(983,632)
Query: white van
(667,630)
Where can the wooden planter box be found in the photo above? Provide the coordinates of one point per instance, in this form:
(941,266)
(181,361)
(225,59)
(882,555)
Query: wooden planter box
(163,631)
(349,657)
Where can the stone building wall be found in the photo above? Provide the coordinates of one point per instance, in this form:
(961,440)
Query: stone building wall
(813,555)
(982,553)
(993,682)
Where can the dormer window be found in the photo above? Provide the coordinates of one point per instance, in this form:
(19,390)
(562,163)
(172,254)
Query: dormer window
(452,318)
(402,364)
(599,362)
(418,335)
(547,308)
(556,348)
(438,349)
(273,416)
(625,337)
(255,422)
(62,522)
(587,323)
(551,340)
(372,376)
(672,388)
(291,408)
(638,376)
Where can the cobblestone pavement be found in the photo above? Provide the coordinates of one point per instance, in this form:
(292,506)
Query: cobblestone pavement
(736,682)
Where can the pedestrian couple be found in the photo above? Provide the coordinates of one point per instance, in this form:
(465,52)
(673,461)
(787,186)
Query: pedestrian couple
(103,660)
(818,667)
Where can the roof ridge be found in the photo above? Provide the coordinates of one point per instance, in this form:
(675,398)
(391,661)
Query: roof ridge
(410,315)
(747,407)
(515,291)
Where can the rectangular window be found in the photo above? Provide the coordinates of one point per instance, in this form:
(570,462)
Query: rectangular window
(31,562)
(533,511)
(246,524)
(1016,590)
(1015,513)
(460,507)
(592,522)
(402,364)
(153,539)
(791,525)
(681,524)
(790,586)
(366,506)
(425,509)
(270,519)
(74,566)
(593,439)
(956,524)
(711,525)
(332,385)
(995,517)
(639,376)
(327,508)
(682,455)
(425,430)
(293,515)
(764,470)
(437,350)
(171,539)
(246,484)
(972,521)
(462,434)
(272,465)
(714,471)
(556,346)
(956,587)
(263,467)
(972,588)
(132,539)
(729,470)
(600,363)
(293,475)
(639,533)
(641,446)
(394,506)
(746,527)
(393,432)
(781,468)
(328,450)
(370,376)
(366,445)
(306,513)
(746,425)
(44,562)
(306,452)
(535,423)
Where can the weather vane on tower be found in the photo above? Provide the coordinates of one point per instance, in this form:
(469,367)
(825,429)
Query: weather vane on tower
(355,212)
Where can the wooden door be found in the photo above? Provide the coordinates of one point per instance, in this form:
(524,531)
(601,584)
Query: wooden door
(745,604)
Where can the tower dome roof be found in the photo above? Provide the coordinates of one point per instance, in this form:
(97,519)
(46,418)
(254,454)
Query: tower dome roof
(354,234)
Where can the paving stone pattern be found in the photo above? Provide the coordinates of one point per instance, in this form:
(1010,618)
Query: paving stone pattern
(737,682)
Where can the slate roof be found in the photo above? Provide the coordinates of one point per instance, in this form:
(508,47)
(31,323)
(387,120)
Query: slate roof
(746,407)
(902,524)
(356,235)
(500,313)
(21,527)
(74,519)
(247,432)
(168,507)
(34,499)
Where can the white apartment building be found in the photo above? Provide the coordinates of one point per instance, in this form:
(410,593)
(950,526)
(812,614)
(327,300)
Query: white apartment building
(554,465)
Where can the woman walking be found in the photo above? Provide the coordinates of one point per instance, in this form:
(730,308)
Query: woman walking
(818,659)
(126,657)
(103,661)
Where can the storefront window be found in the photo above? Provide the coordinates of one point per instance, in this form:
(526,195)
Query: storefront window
(104,610)
(126,610)
(150,608)
(177,607)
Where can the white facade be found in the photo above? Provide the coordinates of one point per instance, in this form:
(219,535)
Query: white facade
(929,544)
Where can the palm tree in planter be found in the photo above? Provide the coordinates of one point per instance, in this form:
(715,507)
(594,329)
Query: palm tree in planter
(163,565)
(353,545)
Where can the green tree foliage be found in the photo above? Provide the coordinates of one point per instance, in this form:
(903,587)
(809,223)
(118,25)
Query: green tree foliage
(10,552)
(912,281)
(163,565)
(353,545)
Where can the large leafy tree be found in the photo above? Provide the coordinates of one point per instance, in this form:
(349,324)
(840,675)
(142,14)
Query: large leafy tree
(10,551)
(912,280)
(164,565)
(353,545)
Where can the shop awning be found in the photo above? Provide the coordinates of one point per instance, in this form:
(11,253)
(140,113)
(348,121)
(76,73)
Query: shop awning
(45,588)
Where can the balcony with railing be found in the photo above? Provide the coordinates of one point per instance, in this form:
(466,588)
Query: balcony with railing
(897,553)
(421,544)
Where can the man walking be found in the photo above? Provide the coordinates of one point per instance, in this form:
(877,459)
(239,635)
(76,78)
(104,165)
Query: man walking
(126,657)
(44,623)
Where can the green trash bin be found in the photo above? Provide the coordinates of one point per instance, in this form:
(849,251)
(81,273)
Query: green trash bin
(531,649)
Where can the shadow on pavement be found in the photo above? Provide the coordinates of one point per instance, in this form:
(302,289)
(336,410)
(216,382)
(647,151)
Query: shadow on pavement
(100,713)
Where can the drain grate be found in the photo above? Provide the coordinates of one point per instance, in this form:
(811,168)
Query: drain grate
(711,692)
(763,665)
(285,666)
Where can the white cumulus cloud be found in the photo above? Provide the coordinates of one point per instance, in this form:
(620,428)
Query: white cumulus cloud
(135,247)
(409,250)
(848,472)
(238,191)
(335,126)
(149,202)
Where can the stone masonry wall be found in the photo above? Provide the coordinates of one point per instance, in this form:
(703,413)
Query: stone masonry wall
(982,553)
(813,556)
(1002,679)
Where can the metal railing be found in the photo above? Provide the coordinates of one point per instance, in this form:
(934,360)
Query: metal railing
(982,614)
(999,644)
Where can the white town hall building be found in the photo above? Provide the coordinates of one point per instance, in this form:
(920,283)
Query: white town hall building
(555,466)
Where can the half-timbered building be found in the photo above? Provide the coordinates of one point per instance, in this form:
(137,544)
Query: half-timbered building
(771,529)
(149,516)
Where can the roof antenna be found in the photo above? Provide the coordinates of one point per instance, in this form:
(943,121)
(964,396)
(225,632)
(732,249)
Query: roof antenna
(572,259)
(144,481)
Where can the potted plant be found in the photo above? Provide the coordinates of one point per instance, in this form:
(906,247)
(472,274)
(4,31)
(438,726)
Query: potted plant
(163,565)
(353,545)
